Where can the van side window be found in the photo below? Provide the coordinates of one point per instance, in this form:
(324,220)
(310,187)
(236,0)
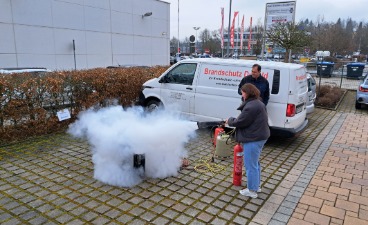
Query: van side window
(276,82)
(182,74)
(311,82)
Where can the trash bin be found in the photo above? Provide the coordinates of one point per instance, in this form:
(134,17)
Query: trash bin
(324,69)
(354,70)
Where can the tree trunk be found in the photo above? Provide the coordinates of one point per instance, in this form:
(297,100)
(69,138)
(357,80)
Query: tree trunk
(286,59)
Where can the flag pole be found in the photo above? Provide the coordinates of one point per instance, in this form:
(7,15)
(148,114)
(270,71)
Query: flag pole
(237,36)
(222,32)
(228,34)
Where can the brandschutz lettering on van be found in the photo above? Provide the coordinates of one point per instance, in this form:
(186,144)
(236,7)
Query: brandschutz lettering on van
(223,72)
(224,76)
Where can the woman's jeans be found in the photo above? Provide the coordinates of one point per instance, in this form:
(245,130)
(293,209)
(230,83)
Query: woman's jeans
(252,151)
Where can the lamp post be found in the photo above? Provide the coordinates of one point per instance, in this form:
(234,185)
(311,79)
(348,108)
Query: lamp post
(178,29)
(196,29)
(228,32)
(75,61)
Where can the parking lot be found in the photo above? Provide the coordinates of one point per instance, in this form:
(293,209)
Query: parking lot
(49,180)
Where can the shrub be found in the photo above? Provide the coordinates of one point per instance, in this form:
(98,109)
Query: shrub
(329,59)
(328,96)
(29,104)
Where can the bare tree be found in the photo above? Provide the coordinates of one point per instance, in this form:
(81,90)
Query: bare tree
(210,40)
(288,36)
(257,48)
(363,40)
(173,45)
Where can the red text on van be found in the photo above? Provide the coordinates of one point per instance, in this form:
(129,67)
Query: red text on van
(222,72)
(265,75)
(302,77)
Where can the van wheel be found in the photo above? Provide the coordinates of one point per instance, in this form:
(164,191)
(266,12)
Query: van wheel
(358,105)
(153,105)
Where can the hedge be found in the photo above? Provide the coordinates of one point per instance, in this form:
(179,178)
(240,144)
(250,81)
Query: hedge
(29,103)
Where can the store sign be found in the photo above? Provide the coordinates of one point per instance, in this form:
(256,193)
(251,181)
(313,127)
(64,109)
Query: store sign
(279,12)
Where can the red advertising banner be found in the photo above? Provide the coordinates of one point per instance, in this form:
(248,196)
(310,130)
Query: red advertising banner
(232,30)
(241,34)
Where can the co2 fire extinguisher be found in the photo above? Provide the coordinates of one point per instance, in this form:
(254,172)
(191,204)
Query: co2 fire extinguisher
(238,165)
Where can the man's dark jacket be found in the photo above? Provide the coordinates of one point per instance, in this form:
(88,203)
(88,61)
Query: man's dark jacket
(261,83)
(252,123)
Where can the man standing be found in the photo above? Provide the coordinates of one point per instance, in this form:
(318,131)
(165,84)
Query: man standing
(259,81)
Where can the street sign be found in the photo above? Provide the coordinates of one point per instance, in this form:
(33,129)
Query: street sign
(191,38)
(279,12)
(323,53)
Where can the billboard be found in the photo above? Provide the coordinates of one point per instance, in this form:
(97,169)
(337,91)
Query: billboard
(279,12)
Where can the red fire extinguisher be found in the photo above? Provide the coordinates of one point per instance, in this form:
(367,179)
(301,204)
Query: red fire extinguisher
(218,130)
(238,164)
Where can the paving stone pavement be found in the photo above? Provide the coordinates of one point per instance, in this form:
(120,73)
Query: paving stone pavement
(318,177)
(323,187)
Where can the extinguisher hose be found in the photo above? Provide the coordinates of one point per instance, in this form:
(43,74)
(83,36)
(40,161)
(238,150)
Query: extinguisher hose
(212,132)
(230,133)
(204,165)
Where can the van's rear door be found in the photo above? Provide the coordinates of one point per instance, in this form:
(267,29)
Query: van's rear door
(298,93)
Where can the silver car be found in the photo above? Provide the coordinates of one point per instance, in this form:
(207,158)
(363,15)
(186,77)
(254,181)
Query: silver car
(362,93)
(311,93)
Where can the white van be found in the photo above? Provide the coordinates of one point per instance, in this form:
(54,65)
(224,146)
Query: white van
(207,90)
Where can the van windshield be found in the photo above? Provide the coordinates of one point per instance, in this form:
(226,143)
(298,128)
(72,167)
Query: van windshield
(182,74)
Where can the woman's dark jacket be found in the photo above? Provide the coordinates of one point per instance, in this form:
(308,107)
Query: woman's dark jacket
(252,123)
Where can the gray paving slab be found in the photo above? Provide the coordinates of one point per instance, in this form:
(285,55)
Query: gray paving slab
(50,180)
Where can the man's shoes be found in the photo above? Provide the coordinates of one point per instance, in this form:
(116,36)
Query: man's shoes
(248,193)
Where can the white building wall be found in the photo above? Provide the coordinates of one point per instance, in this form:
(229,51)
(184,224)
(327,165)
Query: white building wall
(40,33)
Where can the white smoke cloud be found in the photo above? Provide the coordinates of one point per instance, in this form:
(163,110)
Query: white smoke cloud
(116,134)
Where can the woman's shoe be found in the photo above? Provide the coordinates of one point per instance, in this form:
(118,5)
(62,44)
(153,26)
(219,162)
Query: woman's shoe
(248,193)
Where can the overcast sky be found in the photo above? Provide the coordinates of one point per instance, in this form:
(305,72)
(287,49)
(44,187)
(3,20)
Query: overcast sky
(207,13)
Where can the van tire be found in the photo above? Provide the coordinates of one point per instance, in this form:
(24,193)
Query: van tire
(358,105)
(153,105)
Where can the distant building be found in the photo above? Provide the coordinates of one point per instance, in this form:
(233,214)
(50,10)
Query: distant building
(237,41)
(41,33)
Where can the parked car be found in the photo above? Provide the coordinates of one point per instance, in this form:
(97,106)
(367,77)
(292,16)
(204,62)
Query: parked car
(311,93)
(172,60)
(205,56)
(128,66)
(362,93)
(37,71)
(185,57)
